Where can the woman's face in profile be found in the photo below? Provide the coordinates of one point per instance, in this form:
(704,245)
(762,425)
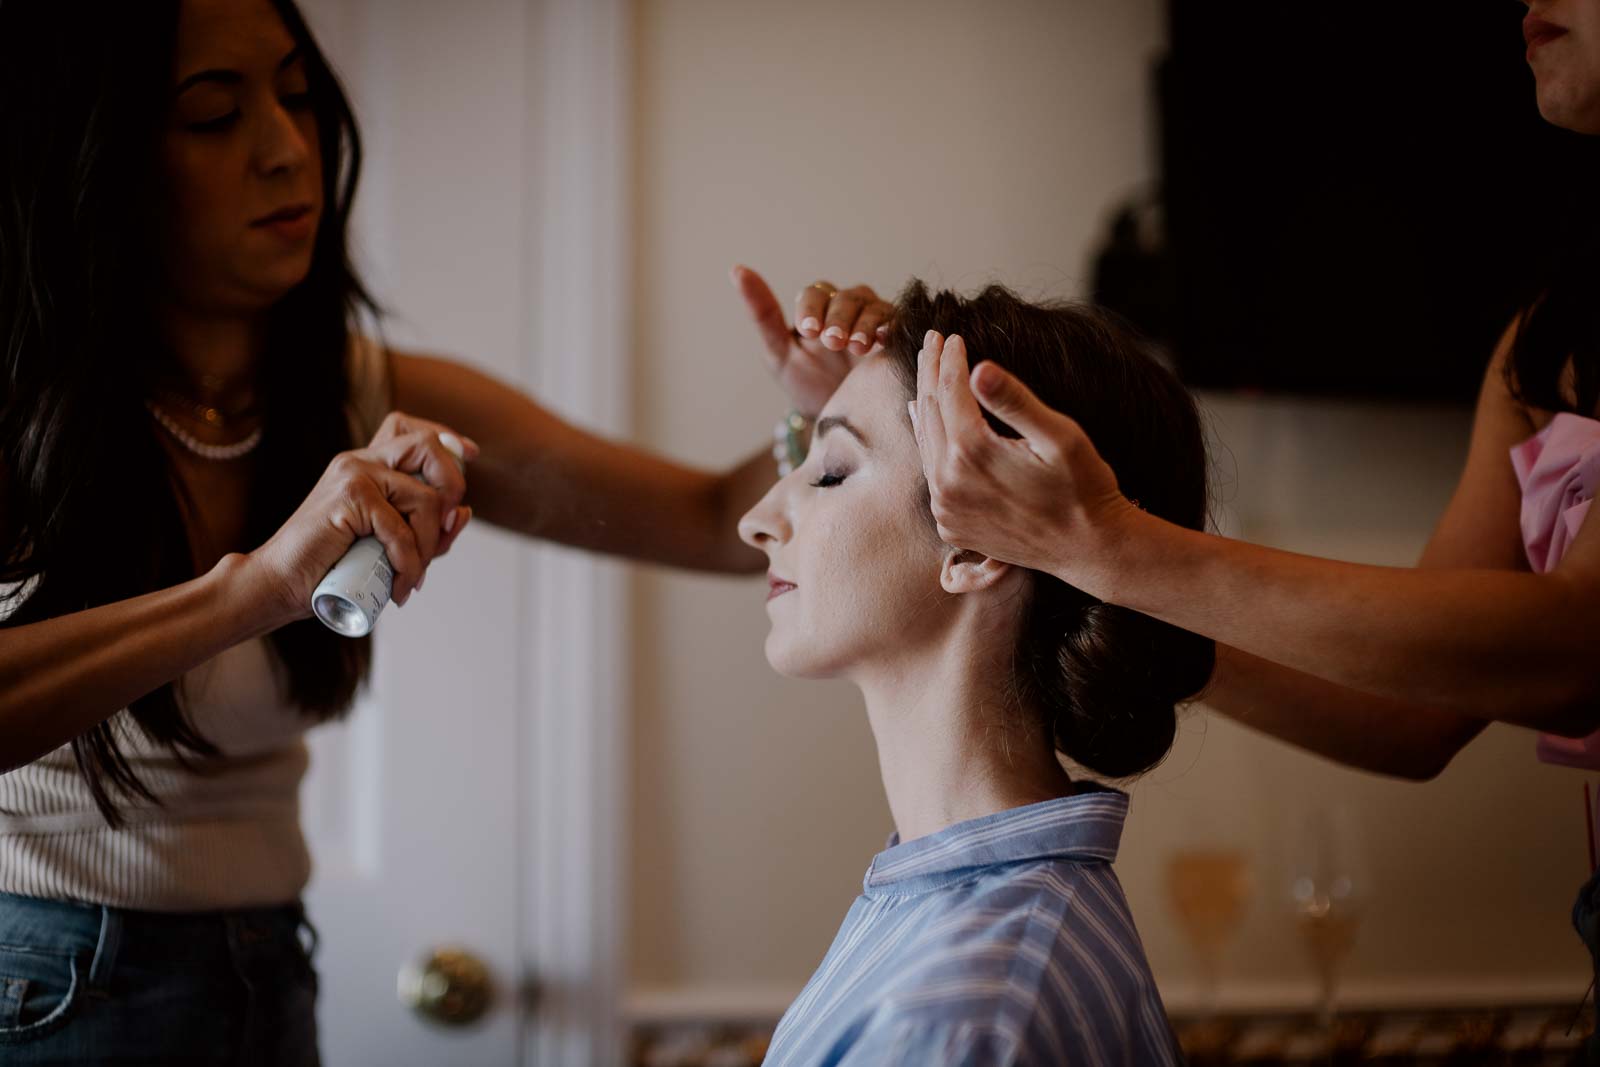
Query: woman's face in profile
(854,560)
(241,169)
(1564,53)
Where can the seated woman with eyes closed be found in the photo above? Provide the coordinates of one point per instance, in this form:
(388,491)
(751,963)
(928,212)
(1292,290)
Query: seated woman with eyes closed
(992,930)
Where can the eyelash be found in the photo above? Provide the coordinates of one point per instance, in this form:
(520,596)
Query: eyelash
(828,481)
(216,125)
(293,101)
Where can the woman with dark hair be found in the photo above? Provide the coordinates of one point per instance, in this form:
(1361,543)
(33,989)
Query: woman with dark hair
(191,435)
(1389,669)
(992,929)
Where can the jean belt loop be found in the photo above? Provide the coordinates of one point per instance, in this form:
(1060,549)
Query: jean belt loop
(106,949)
(303,921)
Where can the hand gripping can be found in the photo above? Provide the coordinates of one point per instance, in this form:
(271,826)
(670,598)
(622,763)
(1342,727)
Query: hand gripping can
(357,589)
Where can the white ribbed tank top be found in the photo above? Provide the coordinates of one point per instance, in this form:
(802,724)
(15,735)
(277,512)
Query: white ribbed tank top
(227,837)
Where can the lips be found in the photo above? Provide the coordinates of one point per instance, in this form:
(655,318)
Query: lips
(1537,32)
(776,586)
(289,213)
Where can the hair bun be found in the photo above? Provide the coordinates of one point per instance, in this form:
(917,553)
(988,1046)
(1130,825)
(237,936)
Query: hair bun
(1119,678)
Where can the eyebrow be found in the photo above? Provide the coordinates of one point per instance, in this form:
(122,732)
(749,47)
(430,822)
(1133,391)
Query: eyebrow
(839,422)
(219,76)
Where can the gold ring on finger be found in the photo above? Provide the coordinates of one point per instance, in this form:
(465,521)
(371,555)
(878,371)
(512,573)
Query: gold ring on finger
(830,290)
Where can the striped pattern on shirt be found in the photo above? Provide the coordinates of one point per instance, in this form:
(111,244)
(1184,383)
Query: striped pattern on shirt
(1004,940)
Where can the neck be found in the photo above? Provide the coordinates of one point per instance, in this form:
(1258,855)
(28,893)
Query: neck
(216,356)
(952,743)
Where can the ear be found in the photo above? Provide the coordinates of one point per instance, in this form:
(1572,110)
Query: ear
(969,572)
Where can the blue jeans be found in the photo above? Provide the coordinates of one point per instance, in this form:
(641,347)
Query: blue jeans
(83,984)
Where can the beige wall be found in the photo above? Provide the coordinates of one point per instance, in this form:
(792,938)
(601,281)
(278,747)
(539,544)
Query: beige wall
(961,142)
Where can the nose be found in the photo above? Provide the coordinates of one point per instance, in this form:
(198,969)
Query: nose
(766,525)
(282,147)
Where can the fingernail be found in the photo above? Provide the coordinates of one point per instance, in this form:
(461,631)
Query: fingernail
(927,339)
(834,334)
(421,580)
(911,409)
(452,444)
(450,521)
(809,324)
(860,338)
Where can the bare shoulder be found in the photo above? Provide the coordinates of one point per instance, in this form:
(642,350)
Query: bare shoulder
(458,394)
(1481,527)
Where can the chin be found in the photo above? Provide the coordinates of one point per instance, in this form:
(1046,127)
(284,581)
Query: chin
(1575,111)
(793,660)
(268,287)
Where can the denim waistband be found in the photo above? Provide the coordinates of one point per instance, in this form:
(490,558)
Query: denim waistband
(107,934)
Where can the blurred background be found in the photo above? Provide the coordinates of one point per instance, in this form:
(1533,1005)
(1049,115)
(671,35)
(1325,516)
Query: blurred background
(598,168)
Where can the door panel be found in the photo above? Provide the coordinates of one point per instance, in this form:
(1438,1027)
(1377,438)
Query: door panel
(412,805)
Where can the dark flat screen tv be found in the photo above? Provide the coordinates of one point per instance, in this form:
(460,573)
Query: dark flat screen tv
(1355,197)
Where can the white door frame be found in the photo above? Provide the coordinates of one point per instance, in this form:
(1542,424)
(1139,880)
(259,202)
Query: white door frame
(575,356)
(577,359)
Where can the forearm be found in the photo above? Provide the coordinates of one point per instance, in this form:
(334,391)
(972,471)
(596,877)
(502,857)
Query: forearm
(60,677)
(1357,729)
(1490,644)
(543,477)
(619,500)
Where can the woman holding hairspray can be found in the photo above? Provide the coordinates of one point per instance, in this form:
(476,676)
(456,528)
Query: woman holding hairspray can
(191,437)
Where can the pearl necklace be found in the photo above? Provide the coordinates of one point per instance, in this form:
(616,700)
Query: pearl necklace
(218,453)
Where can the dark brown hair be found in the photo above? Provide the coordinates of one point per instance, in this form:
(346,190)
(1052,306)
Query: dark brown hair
(93,511)
(1109,679)
(1560,328)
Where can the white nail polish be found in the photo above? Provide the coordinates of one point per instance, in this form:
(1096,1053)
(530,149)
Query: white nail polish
(354,593)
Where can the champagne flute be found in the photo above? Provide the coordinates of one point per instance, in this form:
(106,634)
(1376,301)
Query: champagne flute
(1329,888)
(1209,888)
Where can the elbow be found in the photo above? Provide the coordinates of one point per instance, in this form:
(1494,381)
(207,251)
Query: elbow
(1424,767)
(1567,707)
(1426,757)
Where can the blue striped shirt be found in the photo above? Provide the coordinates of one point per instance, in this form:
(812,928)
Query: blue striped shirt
(1003,940)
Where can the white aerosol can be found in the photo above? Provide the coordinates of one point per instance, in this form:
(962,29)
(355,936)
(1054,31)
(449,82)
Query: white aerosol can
(357,589)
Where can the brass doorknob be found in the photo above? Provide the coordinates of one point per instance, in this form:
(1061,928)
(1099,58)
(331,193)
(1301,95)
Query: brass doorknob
(448,985)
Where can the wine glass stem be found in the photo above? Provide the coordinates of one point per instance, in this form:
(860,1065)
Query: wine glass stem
(1210,979)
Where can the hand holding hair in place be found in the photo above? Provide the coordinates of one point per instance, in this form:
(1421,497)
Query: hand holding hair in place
(1486,644)
(991,490)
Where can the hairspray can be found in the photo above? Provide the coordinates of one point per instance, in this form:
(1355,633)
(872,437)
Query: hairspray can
(357,589)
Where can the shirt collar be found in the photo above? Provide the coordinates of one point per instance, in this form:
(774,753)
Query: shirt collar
(1085,827)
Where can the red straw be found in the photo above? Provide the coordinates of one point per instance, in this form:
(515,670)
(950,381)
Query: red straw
(1588,819)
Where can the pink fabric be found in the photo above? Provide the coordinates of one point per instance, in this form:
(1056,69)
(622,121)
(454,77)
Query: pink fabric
(1559,470)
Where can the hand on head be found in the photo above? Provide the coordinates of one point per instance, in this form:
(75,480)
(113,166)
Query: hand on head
(1041,500)
(832,328)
